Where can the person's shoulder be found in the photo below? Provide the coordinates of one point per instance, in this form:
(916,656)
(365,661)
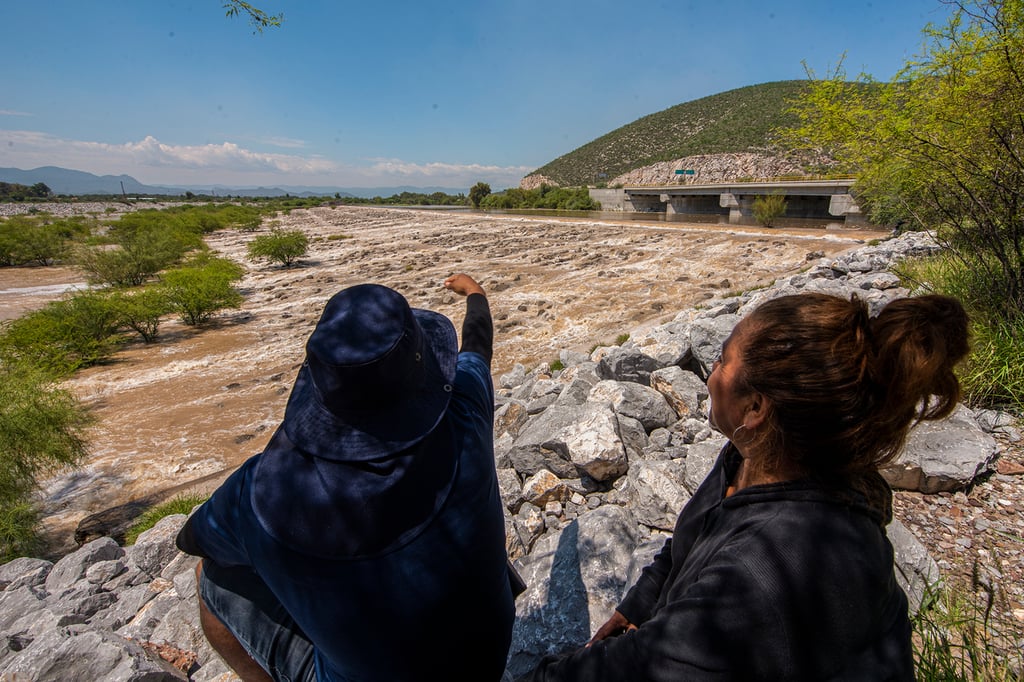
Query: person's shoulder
(473,365)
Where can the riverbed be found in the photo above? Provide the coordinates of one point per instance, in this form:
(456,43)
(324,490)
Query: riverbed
(185,411)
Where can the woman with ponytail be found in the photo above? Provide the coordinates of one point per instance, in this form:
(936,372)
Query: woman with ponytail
(779,567)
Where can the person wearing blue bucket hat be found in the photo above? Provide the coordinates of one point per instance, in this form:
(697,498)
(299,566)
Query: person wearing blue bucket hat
(366,541)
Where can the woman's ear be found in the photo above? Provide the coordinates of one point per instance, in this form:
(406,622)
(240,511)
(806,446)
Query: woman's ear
(757,411)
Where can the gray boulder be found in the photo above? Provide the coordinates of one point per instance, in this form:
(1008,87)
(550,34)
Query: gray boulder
(700,458)
(643,556)
(916,570)
(707,334)
(71,568)
(81,653)
(24,572)
(668,344)
(658,492)
(683,390)
(640,402)
(627,364)
(943,455)
(575,578)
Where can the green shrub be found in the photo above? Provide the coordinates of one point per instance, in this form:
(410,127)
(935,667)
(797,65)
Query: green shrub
(181,504)
(34,241)
(282,246)
(74,332)
(994,371)
(18,523)
(41,431)
(768,208)
(140,311)
(138,246)
(201,287)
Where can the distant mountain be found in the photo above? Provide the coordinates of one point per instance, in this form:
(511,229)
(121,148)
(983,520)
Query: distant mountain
(740,120)
(74,182)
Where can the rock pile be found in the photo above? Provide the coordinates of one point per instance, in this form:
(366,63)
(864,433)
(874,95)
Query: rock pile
(594,461)
(712,168)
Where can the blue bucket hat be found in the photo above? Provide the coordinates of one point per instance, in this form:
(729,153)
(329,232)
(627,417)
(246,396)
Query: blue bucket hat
(363,459)
(377,378)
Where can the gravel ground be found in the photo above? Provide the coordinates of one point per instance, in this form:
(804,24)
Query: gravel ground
(65,209)
(977,535)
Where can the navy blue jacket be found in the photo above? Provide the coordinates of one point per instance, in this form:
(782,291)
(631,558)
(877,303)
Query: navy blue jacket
(433,598)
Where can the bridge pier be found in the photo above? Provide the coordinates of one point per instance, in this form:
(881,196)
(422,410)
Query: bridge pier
(845,206)
(739,205)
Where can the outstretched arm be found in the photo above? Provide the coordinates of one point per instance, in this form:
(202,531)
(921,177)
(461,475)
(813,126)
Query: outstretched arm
(477,328)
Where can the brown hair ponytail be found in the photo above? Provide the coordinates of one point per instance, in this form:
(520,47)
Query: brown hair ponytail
(845,388)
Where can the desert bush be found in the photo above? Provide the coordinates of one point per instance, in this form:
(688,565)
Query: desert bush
(545,196)
(139,245)
(768,208)
(282,246)
(247,218)
(140,310)
(201,287)
(74,332)
(33,241)
(41,431)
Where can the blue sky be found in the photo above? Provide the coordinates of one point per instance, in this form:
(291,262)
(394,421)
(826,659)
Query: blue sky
(370,94)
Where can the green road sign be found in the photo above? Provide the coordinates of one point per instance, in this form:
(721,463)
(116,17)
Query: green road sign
(686,171)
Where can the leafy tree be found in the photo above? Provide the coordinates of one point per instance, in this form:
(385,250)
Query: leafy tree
(39,190)
(941,146)
(477,193)
(768,208)
(201,287)
(282,246)
(41,431)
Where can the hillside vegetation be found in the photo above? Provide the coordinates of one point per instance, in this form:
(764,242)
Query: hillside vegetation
(739,120)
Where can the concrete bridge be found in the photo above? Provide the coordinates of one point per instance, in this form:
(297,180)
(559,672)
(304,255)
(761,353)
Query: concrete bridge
(804,199)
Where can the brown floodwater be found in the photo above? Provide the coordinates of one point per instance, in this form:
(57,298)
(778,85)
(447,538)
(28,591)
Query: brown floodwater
(183,412)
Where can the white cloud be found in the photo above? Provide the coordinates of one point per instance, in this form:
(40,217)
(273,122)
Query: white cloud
(440,173)
(154,162)
(284,142)
(8,112)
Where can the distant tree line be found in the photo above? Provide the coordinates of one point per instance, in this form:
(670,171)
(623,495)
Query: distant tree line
(12,191)
(409,199)
(558,198)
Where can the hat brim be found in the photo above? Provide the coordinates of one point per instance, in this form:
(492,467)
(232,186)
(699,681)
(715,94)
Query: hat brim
(373,434)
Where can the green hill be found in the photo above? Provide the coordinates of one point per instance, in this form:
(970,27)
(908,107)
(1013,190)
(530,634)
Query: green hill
(739,120)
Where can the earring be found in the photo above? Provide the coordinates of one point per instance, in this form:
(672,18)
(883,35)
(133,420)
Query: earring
(736,430)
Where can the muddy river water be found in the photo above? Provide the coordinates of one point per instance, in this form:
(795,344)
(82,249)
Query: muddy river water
(183,412)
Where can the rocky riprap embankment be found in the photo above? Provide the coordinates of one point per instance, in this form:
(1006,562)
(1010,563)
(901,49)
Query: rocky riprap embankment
(594,462)
(707,169)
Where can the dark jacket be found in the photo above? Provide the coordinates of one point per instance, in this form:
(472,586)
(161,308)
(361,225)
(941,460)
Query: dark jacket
(787,581)
(401,592)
